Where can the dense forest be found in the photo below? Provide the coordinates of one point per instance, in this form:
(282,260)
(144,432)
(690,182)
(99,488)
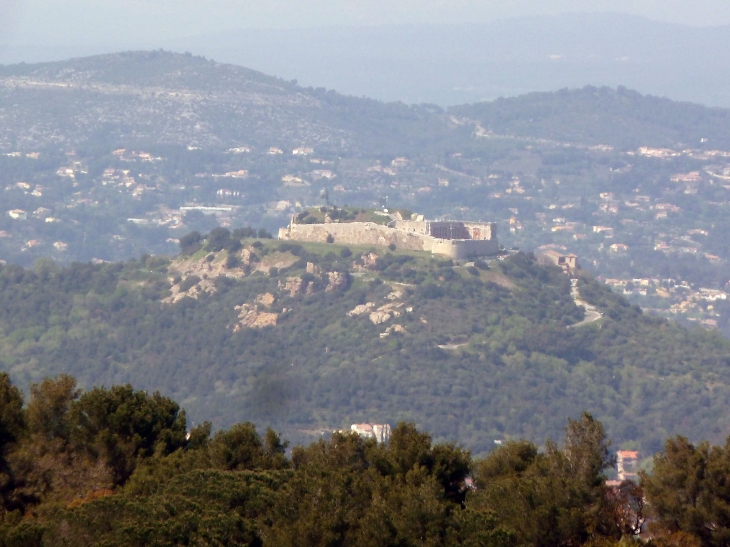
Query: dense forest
(474,353)
(118,466)
(618,117)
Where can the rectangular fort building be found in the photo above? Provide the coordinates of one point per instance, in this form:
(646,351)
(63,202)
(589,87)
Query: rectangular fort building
(458,240)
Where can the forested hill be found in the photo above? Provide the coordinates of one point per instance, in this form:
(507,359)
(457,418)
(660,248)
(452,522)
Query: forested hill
(162,98)
(317,337)
(617,117)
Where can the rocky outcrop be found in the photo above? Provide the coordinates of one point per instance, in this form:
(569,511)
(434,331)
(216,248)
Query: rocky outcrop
(400,329)
(336,280)
(266,299)
(360,309)
(205,285)
(205,269)
(292,285)
(366,261)
(395,295)
(250,317)
(386,312)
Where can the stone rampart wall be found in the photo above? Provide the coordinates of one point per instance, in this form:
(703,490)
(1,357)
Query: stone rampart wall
(417,226)
(464,248)
(357,233)
(368,233)
(482,230)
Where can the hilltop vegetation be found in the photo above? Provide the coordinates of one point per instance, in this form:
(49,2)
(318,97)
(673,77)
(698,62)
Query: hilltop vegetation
(315,337)
(618,117)
(117,466)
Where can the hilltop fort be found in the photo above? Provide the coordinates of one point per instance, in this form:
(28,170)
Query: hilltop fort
(452,238)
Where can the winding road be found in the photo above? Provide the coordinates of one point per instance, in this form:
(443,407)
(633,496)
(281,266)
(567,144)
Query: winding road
(591,313)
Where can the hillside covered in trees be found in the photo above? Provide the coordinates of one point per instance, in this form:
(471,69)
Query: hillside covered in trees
(120,467)
(114,156)
(312,338)
(593,116)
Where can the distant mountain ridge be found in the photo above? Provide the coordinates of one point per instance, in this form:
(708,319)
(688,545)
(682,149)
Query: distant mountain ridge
(454,64)
(464,63)
(618,117)
(167,98)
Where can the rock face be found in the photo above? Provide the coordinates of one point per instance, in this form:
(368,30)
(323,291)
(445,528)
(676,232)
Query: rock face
(204,285)
(362,308)
(369,260)
(250,317)
(400,329)
(267,299)
(379,316)
(336,280)
(383,313)
(386,312)
(207,271)
(292,285)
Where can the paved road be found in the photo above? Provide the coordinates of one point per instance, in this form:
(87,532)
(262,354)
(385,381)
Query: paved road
(591,314)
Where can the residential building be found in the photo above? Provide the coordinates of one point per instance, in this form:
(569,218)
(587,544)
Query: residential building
(379,432)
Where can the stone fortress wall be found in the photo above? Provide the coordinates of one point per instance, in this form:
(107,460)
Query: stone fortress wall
(454,239)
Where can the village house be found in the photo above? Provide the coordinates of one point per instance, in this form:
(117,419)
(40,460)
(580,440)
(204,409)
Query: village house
(657,152)
(605,230)
(697,232)
(18,214)
(619,248)
(65,172)
(668,207)
(712,295)
(626,464)
(291,180)
(302,151)
(568,262)
(379,432)
(242,174)
(323,174)
(694,176)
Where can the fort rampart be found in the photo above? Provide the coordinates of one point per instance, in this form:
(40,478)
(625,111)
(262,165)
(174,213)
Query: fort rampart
(457,240)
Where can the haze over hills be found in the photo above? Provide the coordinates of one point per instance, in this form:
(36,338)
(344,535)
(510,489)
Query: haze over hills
(458,64)
(455,64)
(113,156)
(147,329)
(164,98)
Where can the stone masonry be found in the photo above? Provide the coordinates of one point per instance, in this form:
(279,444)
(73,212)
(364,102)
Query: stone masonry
(454,239)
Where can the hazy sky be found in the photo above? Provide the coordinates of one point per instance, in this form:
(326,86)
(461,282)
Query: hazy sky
(143,22)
